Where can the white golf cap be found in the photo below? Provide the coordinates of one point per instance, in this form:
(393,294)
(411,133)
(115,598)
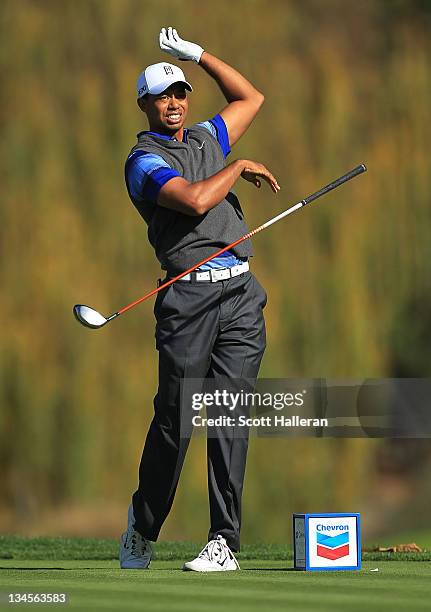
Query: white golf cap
(158,77)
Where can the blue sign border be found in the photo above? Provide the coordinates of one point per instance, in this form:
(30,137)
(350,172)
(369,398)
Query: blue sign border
(358,566)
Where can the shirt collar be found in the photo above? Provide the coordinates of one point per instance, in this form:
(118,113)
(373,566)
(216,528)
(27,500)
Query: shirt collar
(165,136)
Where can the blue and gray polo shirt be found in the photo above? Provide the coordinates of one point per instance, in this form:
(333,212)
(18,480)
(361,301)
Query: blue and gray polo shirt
(180,240)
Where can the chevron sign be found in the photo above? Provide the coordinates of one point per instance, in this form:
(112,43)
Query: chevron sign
(327,541)
(332,547)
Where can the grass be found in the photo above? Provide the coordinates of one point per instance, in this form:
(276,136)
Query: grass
(17,547)
(267,582)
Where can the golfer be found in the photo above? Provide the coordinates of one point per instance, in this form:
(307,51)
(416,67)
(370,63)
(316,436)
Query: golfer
(210,323)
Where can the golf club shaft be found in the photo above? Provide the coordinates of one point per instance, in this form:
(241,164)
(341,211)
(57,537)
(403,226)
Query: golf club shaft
(343,179)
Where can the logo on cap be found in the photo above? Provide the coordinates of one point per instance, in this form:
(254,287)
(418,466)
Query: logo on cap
(168,69)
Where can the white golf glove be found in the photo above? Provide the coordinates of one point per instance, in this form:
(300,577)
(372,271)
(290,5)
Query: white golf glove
(179,48)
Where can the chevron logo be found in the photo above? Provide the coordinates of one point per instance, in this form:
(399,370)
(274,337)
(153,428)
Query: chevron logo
(333,547)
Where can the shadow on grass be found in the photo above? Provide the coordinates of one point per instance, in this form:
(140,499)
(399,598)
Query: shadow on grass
(52,569)
(159,569)
(270,569)
(74,569)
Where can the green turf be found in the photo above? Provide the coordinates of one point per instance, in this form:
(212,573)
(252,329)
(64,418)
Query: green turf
(87,570)
(260,586)
(16,547)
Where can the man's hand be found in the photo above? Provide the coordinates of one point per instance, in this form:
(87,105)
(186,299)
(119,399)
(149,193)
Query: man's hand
(179,48)
(254,171)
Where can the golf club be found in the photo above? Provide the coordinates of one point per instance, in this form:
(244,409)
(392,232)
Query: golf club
(91,318)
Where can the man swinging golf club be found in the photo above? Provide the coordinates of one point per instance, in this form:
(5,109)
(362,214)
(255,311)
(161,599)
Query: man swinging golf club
(210,323)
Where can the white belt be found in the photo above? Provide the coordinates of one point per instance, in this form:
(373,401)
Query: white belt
(215,274)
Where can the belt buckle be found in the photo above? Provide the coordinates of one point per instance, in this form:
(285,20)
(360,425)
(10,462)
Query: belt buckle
(217,275)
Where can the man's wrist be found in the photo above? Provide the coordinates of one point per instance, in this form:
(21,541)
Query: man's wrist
(202,57)
(239,165)
(198,54)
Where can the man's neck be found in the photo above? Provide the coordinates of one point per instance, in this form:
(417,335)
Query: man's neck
(173,135)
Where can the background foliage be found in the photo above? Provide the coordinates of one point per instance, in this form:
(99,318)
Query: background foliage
(348,280)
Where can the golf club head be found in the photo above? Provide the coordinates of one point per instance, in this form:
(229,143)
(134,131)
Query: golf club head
(88,316)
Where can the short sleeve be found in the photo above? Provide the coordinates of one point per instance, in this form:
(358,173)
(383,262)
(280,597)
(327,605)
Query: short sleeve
(146,174)
(217,127)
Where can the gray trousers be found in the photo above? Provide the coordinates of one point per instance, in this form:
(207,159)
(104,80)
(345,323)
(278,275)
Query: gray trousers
(204,330)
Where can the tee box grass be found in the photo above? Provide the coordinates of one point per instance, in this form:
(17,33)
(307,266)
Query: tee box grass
(88,572)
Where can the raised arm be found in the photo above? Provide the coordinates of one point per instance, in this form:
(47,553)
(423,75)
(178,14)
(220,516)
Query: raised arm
(244,100)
